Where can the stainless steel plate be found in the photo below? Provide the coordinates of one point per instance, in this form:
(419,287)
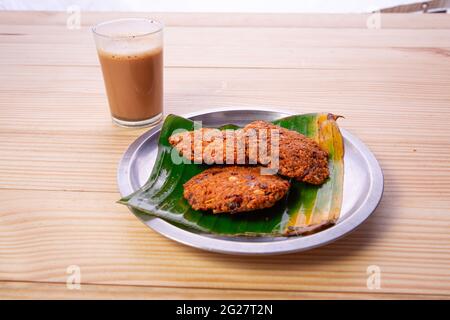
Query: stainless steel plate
(363,188)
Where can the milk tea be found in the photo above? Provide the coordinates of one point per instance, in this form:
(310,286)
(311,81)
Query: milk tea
(134,84)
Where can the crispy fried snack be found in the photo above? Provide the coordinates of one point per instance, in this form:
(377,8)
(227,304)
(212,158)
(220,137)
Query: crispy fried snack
(290,153)
(234,189)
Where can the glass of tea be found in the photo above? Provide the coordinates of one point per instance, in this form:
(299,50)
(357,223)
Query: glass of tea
(131,56)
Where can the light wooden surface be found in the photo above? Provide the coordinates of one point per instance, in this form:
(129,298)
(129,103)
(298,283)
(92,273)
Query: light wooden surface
(59,153)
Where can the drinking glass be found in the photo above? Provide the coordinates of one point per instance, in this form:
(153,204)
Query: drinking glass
(131,57)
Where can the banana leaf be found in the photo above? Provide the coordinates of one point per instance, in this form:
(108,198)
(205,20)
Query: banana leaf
(305,210)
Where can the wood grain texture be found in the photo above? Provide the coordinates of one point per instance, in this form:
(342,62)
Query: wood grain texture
(42,236)
(36,291)
(59,153)
(296,20)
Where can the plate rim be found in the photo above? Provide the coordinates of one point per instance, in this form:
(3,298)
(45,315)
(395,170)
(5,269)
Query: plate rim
(236,247)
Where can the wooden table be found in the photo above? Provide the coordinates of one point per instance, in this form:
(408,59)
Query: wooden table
(59,153)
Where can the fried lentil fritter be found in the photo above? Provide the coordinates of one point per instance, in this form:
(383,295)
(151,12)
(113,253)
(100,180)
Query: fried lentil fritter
(234,189)
(299,156)
(210,146)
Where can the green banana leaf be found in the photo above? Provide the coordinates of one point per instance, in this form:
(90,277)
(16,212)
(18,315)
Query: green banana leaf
(305,210)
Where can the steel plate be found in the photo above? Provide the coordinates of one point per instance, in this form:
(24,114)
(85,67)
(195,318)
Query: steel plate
(363,189)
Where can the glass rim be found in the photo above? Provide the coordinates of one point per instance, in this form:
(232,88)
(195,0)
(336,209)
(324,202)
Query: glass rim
(160,27)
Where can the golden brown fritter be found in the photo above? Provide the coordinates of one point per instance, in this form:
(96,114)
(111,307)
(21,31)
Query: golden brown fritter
(210,146)
(299,156)
(234,189)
